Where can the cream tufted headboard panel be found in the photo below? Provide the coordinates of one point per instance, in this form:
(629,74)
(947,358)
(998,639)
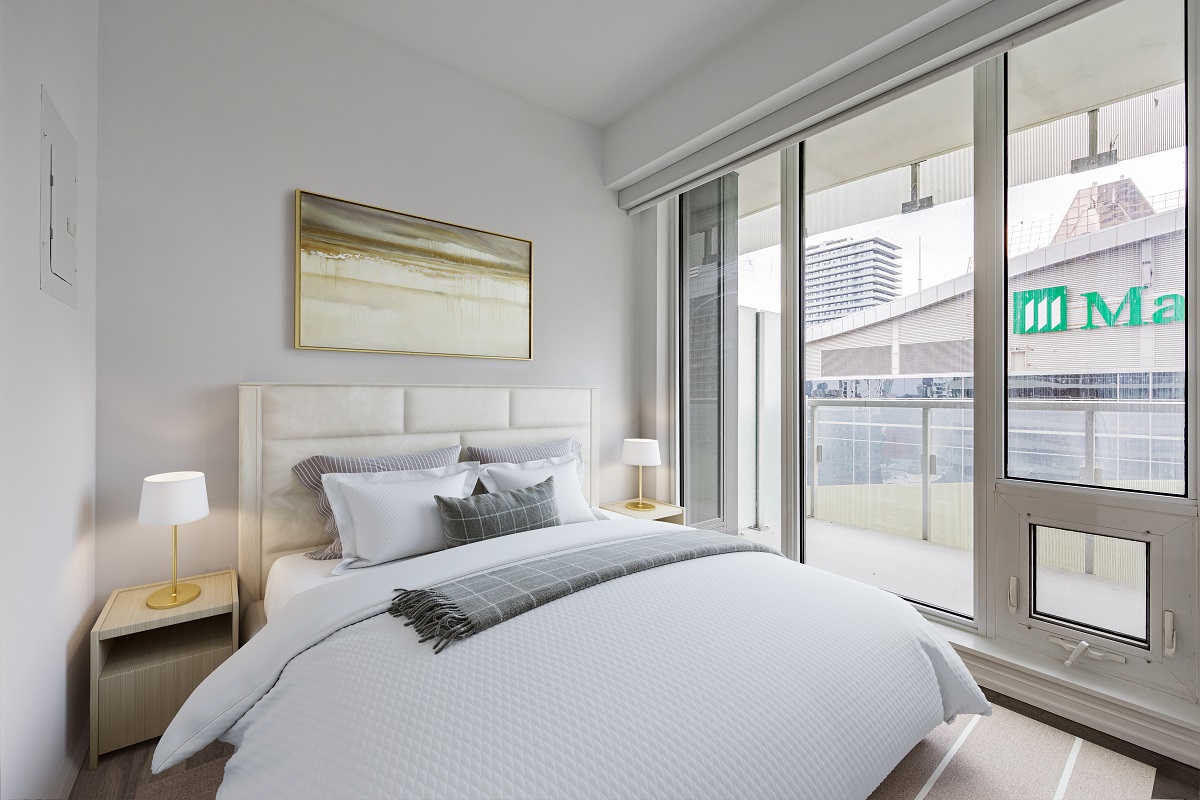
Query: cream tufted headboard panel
(284,423)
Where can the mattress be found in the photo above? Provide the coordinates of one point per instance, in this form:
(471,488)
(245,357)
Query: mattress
(737,675)
(291,575)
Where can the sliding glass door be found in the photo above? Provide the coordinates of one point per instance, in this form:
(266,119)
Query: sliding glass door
(729,366)
(708,311)
(888,337)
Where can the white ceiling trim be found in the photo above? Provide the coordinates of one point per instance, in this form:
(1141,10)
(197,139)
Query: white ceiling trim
(980,34)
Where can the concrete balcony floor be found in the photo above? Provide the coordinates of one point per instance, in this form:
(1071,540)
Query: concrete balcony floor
(943,576)
(931,573)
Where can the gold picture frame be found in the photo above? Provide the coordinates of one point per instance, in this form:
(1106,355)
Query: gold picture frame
(369,279)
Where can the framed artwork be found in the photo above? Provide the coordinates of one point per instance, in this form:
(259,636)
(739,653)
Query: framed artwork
(381,281)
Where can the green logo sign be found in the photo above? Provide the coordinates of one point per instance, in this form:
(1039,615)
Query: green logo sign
(1040,310)
(1045,310)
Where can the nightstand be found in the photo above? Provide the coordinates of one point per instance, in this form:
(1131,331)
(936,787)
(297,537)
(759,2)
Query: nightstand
(145,662)
(664,512)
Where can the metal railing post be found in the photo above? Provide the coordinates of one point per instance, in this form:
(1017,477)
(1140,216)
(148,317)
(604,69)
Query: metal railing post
(926,469)
(811,446)
(1088,473)
(1089,476)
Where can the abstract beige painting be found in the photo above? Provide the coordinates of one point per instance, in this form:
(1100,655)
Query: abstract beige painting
(378,280)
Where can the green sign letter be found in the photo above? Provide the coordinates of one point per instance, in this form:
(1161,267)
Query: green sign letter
(1176,310)
(1132,298)
(1040,310)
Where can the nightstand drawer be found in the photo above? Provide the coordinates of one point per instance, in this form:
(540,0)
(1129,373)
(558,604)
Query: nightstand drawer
(148,675)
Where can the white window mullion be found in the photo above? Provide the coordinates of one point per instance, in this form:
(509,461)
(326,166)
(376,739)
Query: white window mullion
(990,132)
(792,352)
(1193,248)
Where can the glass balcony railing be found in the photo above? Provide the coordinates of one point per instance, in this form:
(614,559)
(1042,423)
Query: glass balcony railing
(889,492)
(905,466)
(897,466)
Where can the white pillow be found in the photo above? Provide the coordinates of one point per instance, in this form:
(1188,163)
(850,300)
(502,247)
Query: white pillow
(568,482)
(383,516)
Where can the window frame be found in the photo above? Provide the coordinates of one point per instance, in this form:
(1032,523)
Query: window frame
(1015,503)
(998,539)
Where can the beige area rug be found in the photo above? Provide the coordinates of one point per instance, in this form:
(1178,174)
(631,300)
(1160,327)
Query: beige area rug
(1008,756)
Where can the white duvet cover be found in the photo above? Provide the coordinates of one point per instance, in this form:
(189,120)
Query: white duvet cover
(739,675)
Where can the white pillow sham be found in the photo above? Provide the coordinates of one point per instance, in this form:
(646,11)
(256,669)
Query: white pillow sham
(568,482)
(385,516)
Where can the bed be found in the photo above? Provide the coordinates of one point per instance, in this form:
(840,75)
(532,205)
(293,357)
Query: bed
(736,675)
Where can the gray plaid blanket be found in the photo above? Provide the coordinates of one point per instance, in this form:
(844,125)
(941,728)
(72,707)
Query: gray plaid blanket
(465,606)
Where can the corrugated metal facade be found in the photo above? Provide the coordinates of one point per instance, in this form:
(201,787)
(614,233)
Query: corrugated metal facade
(1135,126)
(1110,272)
(758,230)
(955,314)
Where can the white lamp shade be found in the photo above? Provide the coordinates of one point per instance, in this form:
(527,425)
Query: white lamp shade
(641,453)
(173,498)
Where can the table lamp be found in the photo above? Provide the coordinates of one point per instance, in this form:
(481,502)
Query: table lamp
(173,498)
(640,453)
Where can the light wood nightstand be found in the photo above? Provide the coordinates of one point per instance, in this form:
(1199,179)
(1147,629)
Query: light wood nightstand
(664,512)
(145,662)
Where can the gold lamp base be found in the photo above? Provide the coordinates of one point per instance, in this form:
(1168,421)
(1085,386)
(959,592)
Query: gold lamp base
(640,505)
(165,598)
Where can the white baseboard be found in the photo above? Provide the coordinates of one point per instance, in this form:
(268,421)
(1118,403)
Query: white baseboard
(71,767)
(1147,718)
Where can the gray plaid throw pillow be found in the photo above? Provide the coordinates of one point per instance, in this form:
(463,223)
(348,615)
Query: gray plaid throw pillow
(486,516)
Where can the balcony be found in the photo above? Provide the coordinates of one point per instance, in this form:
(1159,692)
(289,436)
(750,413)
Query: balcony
(890,502)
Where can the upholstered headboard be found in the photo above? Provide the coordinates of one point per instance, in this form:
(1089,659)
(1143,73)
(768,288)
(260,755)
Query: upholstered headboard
(284,423)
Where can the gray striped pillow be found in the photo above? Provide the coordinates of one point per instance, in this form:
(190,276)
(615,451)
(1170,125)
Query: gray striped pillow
(520,453)
(486,516)
(310,470)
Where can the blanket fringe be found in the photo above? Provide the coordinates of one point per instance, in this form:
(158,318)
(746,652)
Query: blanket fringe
(433,615)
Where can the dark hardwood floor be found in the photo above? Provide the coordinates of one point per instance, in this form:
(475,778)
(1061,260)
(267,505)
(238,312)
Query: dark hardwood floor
(125,773)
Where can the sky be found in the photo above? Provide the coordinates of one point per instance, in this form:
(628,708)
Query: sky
(938,243)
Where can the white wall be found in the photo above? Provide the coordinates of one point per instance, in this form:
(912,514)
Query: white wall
(656,353)
(47,408)
(212,114)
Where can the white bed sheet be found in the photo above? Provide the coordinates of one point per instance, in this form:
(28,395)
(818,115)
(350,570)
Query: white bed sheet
(291,575)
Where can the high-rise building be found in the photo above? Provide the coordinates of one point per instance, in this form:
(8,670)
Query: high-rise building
(843,276)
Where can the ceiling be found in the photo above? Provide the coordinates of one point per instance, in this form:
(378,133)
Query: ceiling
(1119,52)
(591,60)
